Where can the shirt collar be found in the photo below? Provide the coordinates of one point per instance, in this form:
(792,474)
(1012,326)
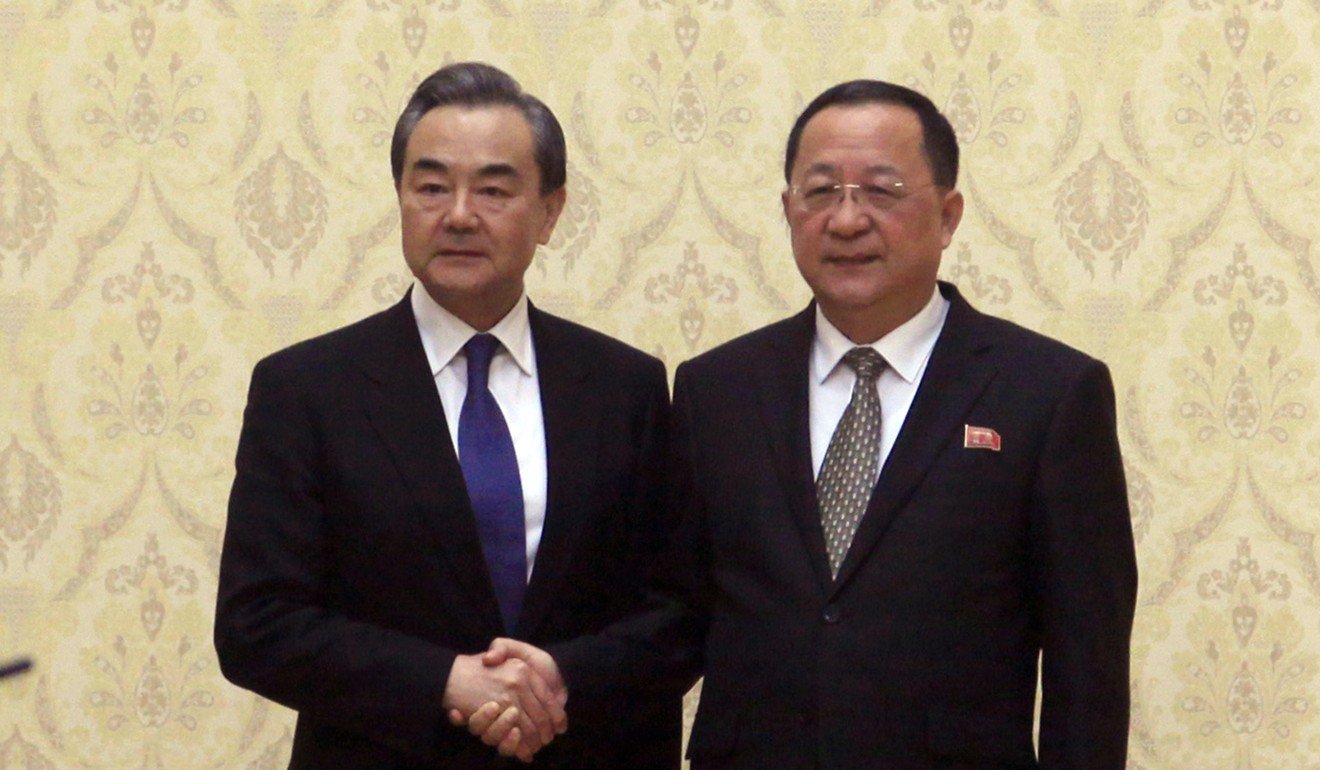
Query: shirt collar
(905,349)
(444,334)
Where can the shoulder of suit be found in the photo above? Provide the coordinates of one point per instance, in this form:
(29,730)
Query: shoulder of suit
(1027,348)
(1036,366)
(1032,348)
(339,345)
(745,349)
(595,346)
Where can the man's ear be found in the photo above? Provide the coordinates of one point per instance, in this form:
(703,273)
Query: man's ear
(951,211)
(554,206)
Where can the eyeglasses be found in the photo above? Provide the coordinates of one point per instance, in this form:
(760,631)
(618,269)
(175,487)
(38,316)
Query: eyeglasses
(883,195)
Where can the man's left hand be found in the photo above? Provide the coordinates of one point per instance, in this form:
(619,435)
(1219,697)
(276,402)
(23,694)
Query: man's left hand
(500,726)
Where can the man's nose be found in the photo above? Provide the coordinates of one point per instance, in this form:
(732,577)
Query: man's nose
(849,217)
(462,214)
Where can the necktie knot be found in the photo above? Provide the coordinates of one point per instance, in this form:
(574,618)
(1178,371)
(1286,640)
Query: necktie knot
(865,362)
(480,350)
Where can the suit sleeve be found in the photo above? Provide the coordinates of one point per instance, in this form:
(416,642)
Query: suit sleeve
(276,633)
(650,522)
(657,649)
(1086,581)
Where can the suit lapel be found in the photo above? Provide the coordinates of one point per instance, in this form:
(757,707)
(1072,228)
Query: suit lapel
(956,376)
(571,439)
(405,409)
(784,405)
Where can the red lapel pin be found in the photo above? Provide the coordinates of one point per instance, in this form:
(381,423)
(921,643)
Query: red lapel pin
(975,437)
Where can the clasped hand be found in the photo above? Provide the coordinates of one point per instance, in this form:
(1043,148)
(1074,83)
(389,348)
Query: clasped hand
(511,696)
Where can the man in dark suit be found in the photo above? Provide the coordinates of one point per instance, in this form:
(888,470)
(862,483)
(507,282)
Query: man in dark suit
(897,511)
(459,467)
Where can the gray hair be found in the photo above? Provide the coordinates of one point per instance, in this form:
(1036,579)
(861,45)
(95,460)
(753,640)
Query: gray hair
(474,84)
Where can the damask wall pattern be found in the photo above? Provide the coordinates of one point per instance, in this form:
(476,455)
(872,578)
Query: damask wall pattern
(187,185)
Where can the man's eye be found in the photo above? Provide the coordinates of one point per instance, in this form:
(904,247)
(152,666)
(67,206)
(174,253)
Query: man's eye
(431,188)
(880,190)
(817,191)
(495,192)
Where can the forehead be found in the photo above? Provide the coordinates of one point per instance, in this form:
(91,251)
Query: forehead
(459,136)
(860,137)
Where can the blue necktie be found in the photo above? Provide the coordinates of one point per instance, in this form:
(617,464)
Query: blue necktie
(485,451)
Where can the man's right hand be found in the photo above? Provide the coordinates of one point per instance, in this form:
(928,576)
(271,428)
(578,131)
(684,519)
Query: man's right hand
(500,725)
(529,711)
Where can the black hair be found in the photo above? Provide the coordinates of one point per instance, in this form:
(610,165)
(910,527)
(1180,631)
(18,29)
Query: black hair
(938,140)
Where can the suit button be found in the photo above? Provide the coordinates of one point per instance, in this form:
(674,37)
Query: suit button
(831,614)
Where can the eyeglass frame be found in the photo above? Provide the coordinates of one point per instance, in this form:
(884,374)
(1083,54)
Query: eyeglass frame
(838,191)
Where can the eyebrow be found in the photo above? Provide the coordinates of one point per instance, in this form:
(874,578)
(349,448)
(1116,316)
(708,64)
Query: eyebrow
(830,168)
(487,171)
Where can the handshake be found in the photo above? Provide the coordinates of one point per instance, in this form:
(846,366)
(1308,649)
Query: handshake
(511,696)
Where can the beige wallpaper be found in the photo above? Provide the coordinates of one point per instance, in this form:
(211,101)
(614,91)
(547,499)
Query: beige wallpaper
(186,185)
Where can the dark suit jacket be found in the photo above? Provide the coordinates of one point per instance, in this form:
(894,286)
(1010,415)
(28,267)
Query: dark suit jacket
(968,565)
(352,572)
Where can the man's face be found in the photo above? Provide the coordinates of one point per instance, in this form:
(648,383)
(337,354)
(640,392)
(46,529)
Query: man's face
(471,208)
(869,268)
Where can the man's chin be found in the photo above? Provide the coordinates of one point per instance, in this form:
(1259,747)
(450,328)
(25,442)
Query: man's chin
(467,275)
(852,296)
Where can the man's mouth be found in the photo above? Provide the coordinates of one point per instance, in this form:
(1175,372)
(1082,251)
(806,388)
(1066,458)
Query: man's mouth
(852,259)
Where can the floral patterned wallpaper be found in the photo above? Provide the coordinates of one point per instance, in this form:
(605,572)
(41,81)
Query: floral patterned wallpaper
(187,185)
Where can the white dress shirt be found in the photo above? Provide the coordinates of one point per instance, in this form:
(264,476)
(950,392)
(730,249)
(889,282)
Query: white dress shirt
(906,349)
(513,382)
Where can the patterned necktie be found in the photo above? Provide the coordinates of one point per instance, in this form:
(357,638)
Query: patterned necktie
(848,473)
(490,468)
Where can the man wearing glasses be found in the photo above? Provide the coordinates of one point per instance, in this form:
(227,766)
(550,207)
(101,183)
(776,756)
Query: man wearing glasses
(459,467)
(897,511)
